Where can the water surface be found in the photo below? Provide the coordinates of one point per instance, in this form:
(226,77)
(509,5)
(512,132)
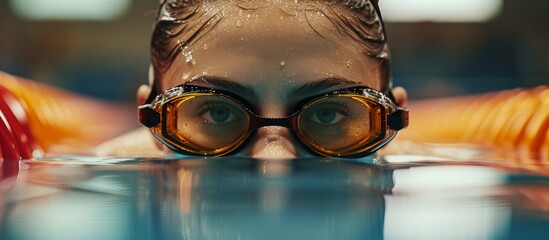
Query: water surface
(239,198)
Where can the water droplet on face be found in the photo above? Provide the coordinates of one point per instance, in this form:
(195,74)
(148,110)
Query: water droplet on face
(348,63)
(282,63)
(241,38)
(188,57)
(205,47)
(188,54)
(186,76)
(238,24)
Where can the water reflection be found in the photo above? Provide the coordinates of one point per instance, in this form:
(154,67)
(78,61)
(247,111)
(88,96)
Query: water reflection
(198,199)
(239,198)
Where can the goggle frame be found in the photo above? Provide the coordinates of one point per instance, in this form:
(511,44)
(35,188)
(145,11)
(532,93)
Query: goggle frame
(157,114)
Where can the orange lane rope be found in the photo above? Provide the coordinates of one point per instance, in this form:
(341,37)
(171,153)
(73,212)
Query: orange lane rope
(515,121)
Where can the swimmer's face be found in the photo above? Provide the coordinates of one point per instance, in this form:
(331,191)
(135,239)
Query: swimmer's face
(265,55)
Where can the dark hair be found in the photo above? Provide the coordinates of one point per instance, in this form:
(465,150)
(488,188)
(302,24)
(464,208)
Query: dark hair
(187,21)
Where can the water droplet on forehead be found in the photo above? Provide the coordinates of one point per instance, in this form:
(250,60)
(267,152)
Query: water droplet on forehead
(188,54)
(282,63)
(185,76)
(238,24)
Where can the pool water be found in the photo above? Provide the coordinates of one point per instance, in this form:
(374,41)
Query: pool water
(241,198)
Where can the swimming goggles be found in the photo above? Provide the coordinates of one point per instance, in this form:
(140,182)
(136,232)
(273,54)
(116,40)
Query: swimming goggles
(352,122)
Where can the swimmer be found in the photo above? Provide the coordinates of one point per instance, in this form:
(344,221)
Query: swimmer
(268,79)
(263,79)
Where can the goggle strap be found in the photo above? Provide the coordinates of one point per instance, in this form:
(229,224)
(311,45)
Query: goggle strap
(399,119)
(148,116)
(152,95)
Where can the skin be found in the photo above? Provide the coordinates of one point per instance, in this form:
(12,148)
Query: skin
(273,53)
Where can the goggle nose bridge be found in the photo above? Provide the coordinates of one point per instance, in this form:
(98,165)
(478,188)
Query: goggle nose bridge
(259,122)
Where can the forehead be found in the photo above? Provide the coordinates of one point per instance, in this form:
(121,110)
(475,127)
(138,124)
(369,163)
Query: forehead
(272,48)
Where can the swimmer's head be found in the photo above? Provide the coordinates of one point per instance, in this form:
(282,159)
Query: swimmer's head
(181,23)
(273,53)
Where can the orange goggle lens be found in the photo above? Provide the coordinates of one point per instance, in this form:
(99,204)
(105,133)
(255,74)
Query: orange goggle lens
(205,124)
(341,125)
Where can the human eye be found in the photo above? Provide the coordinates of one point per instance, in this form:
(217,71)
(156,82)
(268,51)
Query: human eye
(211,121)
(336,122)
(328,114)
(217,113)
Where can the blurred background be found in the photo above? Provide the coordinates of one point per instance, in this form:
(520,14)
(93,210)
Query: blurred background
(100,48)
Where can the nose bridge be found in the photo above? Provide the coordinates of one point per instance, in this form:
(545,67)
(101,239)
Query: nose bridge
(273,141)
(273,138)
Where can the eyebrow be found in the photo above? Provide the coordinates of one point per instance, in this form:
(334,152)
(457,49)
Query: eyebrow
(227,85)
(321,86)
(295,95)
(305,89)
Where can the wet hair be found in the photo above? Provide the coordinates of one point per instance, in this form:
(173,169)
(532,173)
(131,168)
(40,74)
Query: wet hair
(182,22)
